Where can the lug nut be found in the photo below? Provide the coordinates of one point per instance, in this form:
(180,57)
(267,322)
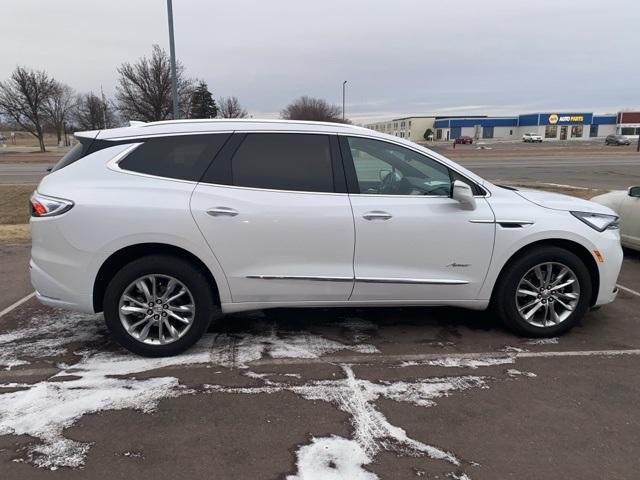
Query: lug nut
(151,304)
(165,306)
(149,312)
(158,301)
(164,314)
(156,317)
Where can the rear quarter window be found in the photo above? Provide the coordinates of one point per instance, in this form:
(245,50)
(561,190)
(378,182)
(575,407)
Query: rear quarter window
(184,157)
(75,154)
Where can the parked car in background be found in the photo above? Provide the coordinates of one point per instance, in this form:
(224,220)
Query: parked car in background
(165,226)
(617,140)
(464,139)
(627,205)
(531,137)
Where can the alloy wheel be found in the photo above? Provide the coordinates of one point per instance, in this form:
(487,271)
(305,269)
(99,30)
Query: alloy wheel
(547,294)
(156,309)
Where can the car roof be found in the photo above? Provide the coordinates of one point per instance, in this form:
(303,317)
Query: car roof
(174,127)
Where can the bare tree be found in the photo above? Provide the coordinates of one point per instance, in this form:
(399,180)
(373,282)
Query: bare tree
(309,108)
(229,107)
(59,106)
(144,88)
(94,113)
(23,98)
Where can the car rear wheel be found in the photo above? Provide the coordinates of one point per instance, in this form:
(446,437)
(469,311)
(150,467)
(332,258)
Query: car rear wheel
(543,293)
(158,305)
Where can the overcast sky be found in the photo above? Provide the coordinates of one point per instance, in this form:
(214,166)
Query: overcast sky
(400,57)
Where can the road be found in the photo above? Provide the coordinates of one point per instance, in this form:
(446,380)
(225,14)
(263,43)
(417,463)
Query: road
(23,172)
(602,171)
(400,393)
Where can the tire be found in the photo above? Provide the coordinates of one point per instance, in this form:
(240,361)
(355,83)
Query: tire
(505,301)
(160,269)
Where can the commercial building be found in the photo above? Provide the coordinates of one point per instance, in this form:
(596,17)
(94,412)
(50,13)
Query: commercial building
(629,124)
(411,128)
(549,125)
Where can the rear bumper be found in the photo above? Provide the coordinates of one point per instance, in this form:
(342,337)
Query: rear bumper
(52,293)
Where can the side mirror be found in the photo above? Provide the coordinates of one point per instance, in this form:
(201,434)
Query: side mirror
(634,191)
(462,192)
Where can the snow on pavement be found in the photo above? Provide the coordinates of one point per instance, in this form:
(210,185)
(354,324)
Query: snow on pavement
(103,380)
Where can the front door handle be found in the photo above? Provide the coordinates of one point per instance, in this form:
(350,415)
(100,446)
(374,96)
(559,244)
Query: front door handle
(222,212)
(377,215)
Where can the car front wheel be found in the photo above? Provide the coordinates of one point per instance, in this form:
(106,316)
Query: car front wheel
(543,293)
(158,305)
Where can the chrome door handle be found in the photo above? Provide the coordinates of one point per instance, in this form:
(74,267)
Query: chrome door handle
(377,215)
(222,212)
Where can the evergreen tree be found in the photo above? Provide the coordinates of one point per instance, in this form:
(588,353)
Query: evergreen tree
(202,103)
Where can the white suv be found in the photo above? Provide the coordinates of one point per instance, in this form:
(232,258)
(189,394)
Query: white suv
(531,137)
(164,226)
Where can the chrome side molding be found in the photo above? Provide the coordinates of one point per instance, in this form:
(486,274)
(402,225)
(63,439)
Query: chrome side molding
(320,278)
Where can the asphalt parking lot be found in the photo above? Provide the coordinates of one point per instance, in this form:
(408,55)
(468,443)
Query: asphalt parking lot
(353,393)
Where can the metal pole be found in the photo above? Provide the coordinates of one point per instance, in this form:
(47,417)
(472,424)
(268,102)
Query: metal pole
(172,52)
(343,94)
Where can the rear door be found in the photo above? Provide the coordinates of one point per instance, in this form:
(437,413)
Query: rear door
(273,208)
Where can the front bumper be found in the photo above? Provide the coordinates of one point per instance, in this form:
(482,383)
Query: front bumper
(611,250)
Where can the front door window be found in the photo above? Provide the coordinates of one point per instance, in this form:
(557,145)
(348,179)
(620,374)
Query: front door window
(383,168)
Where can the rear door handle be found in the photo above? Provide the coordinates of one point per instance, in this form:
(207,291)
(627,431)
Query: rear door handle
(222,212)
(377,215)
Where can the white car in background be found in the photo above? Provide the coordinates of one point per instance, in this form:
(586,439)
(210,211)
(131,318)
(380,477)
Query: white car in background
(164,226)
(531,137)
(627,205)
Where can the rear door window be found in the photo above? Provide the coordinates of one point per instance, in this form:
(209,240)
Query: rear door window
(284,161)
(183,157)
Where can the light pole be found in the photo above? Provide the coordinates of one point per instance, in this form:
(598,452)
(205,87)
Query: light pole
(172,53)
(344,85)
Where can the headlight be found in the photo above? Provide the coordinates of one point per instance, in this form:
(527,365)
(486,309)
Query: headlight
(597,221)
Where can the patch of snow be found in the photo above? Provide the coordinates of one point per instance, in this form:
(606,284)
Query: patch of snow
(512,372)
(460,362)
(458,476)
(47,336)
(356,397)
(332,458)
(239,350)
(510,349)
(543,341)
(44,409)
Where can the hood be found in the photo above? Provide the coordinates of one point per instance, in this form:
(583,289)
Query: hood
(557,201)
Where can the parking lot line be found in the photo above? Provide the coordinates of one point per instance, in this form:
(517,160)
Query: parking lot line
(629,290)
(16,304)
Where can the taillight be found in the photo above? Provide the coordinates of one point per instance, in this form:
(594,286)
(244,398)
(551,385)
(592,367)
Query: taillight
(44,206)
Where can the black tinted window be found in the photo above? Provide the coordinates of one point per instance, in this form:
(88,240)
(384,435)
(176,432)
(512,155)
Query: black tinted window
(73,155)
(182,157)
(284,161)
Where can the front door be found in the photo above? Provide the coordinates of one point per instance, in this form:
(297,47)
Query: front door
(413,242)
(563,132)
(271,215)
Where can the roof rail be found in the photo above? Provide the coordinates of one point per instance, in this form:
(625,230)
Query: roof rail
(136,123)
